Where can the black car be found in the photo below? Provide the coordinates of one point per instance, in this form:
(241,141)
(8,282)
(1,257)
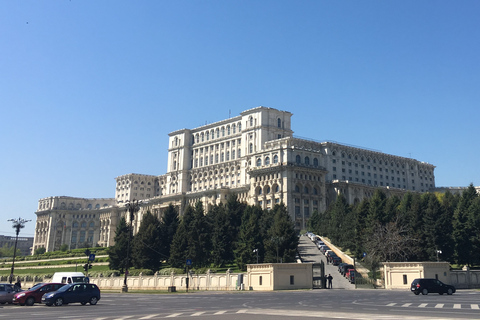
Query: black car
(74,292)
(426,286)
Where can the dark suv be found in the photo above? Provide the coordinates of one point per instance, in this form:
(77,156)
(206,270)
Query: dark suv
(425,286)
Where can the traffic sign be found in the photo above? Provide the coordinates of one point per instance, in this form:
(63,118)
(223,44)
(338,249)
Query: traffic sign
(189,262)
(91,257)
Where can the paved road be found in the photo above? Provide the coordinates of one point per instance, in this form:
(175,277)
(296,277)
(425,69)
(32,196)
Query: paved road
(309,253)
(321,304)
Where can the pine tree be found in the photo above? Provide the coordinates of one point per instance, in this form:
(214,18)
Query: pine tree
(249,244)
(170,223)
(220,242)
(282,240)
(147,244)
(118,253)
(180,243)
(463,227)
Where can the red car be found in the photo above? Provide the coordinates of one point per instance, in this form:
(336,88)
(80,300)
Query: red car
(35,293)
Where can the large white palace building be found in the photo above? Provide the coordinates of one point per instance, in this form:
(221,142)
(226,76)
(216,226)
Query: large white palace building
(254,156)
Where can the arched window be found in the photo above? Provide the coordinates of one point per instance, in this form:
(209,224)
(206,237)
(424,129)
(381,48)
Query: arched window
(259,190)
(202,136)
(305,190)
(315,192)
(267,161)
(234,128)
(228,130)
(239,127)
(267,189)
(251,121)
(315,162)
(84,224)
(92,224)
(298,160)
(279,122)
(75,224)
(275,159)
(97,206)
(197,138)
(251,147)
(297,189)
(208,135)
(259,162)
(307,160)
(218,133)
(223,131)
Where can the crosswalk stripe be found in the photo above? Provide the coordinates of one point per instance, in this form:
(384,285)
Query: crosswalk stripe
(173,315)
(391,304)
(196,314)
(423,305)
(406,305)
(150,316)
(457,306)
(439,305)
(242,311)
(474,306)
(220,312)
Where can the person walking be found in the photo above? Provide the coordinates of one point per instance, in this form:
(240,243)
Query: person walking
(329,278)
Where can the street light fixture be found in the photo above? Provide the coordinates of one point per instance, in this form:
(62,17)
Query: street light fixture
(132,208)
(17,225)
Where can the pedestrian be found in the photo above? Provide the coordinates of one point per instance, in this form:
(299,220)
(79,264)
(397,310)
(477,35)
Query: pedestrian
(330,278)
(18,284)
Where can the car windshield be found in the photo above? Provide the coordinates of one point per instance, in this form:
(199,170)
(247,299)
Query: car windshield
(64,288)
(38,285)
(78,279)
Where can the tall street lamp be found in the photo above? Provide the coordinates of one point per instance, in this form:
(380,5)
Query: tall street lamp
(132,208)
(17,225)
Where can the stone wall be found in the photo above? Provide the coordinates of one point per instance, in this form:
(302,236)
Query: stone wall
(465,278)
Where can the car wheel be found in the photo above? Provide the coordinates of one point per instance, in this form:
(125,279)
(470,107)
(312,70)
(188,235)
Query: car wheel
(30,301)
(2,302)
(449,291)
(83,303)
(93,301)
(424,292)
(58,302)
(416,293)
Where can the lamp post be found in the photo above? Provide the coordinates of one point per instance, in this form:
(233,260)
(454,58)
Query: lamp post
(132,208)
(256,251)
(17,225)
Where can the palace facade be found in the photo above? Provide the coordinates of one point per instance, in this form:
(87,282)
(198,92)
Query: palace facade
(255,156)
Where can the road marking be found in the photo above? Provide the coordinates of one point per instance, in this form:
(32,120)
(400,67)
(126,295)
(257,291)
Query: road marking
(150,316)
(474,306)
(406,305)
(196,314)
(220,312)
(439,305)
(457,306)
(173,315)
(242,311)
(391,304)
(423,305)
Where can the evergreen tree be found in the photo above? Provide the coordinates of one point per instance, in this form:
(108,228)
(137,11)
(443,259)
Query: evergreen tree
(221,244)
(118,253)
(170,223)
(463,227)
(180,243)
(282,240)
(474,217)
(249,245)
(199,240)
(147,244)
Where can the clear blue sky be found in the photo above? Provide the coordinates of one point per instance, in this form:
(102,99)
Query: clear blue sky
(89,90)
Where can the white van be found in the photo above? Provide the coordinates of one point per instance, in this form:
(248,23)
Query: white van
(69,277)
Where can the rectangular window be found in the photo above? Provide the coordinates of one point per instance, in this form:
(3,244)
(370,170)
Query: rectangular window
(260,280)
(405,279)
(292,280)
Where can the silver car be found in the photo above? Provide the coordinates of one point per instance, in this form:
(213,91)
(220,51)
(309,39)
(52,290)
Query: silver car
(7,291)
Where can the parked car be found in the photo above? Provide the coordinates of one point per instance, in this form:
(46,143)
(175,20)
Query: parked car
(7,291)
(426,286)
(35,293)
(344,269)
(69,277)
(336,261)
(71,293)
(350,275)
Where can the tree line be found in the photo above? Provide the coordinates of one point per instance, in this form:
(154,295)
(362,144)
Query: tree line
(415,227)
(230,233)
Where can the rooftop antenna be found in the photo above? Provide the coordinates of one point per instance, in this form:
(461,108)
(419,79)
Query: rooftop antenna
(229,113)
